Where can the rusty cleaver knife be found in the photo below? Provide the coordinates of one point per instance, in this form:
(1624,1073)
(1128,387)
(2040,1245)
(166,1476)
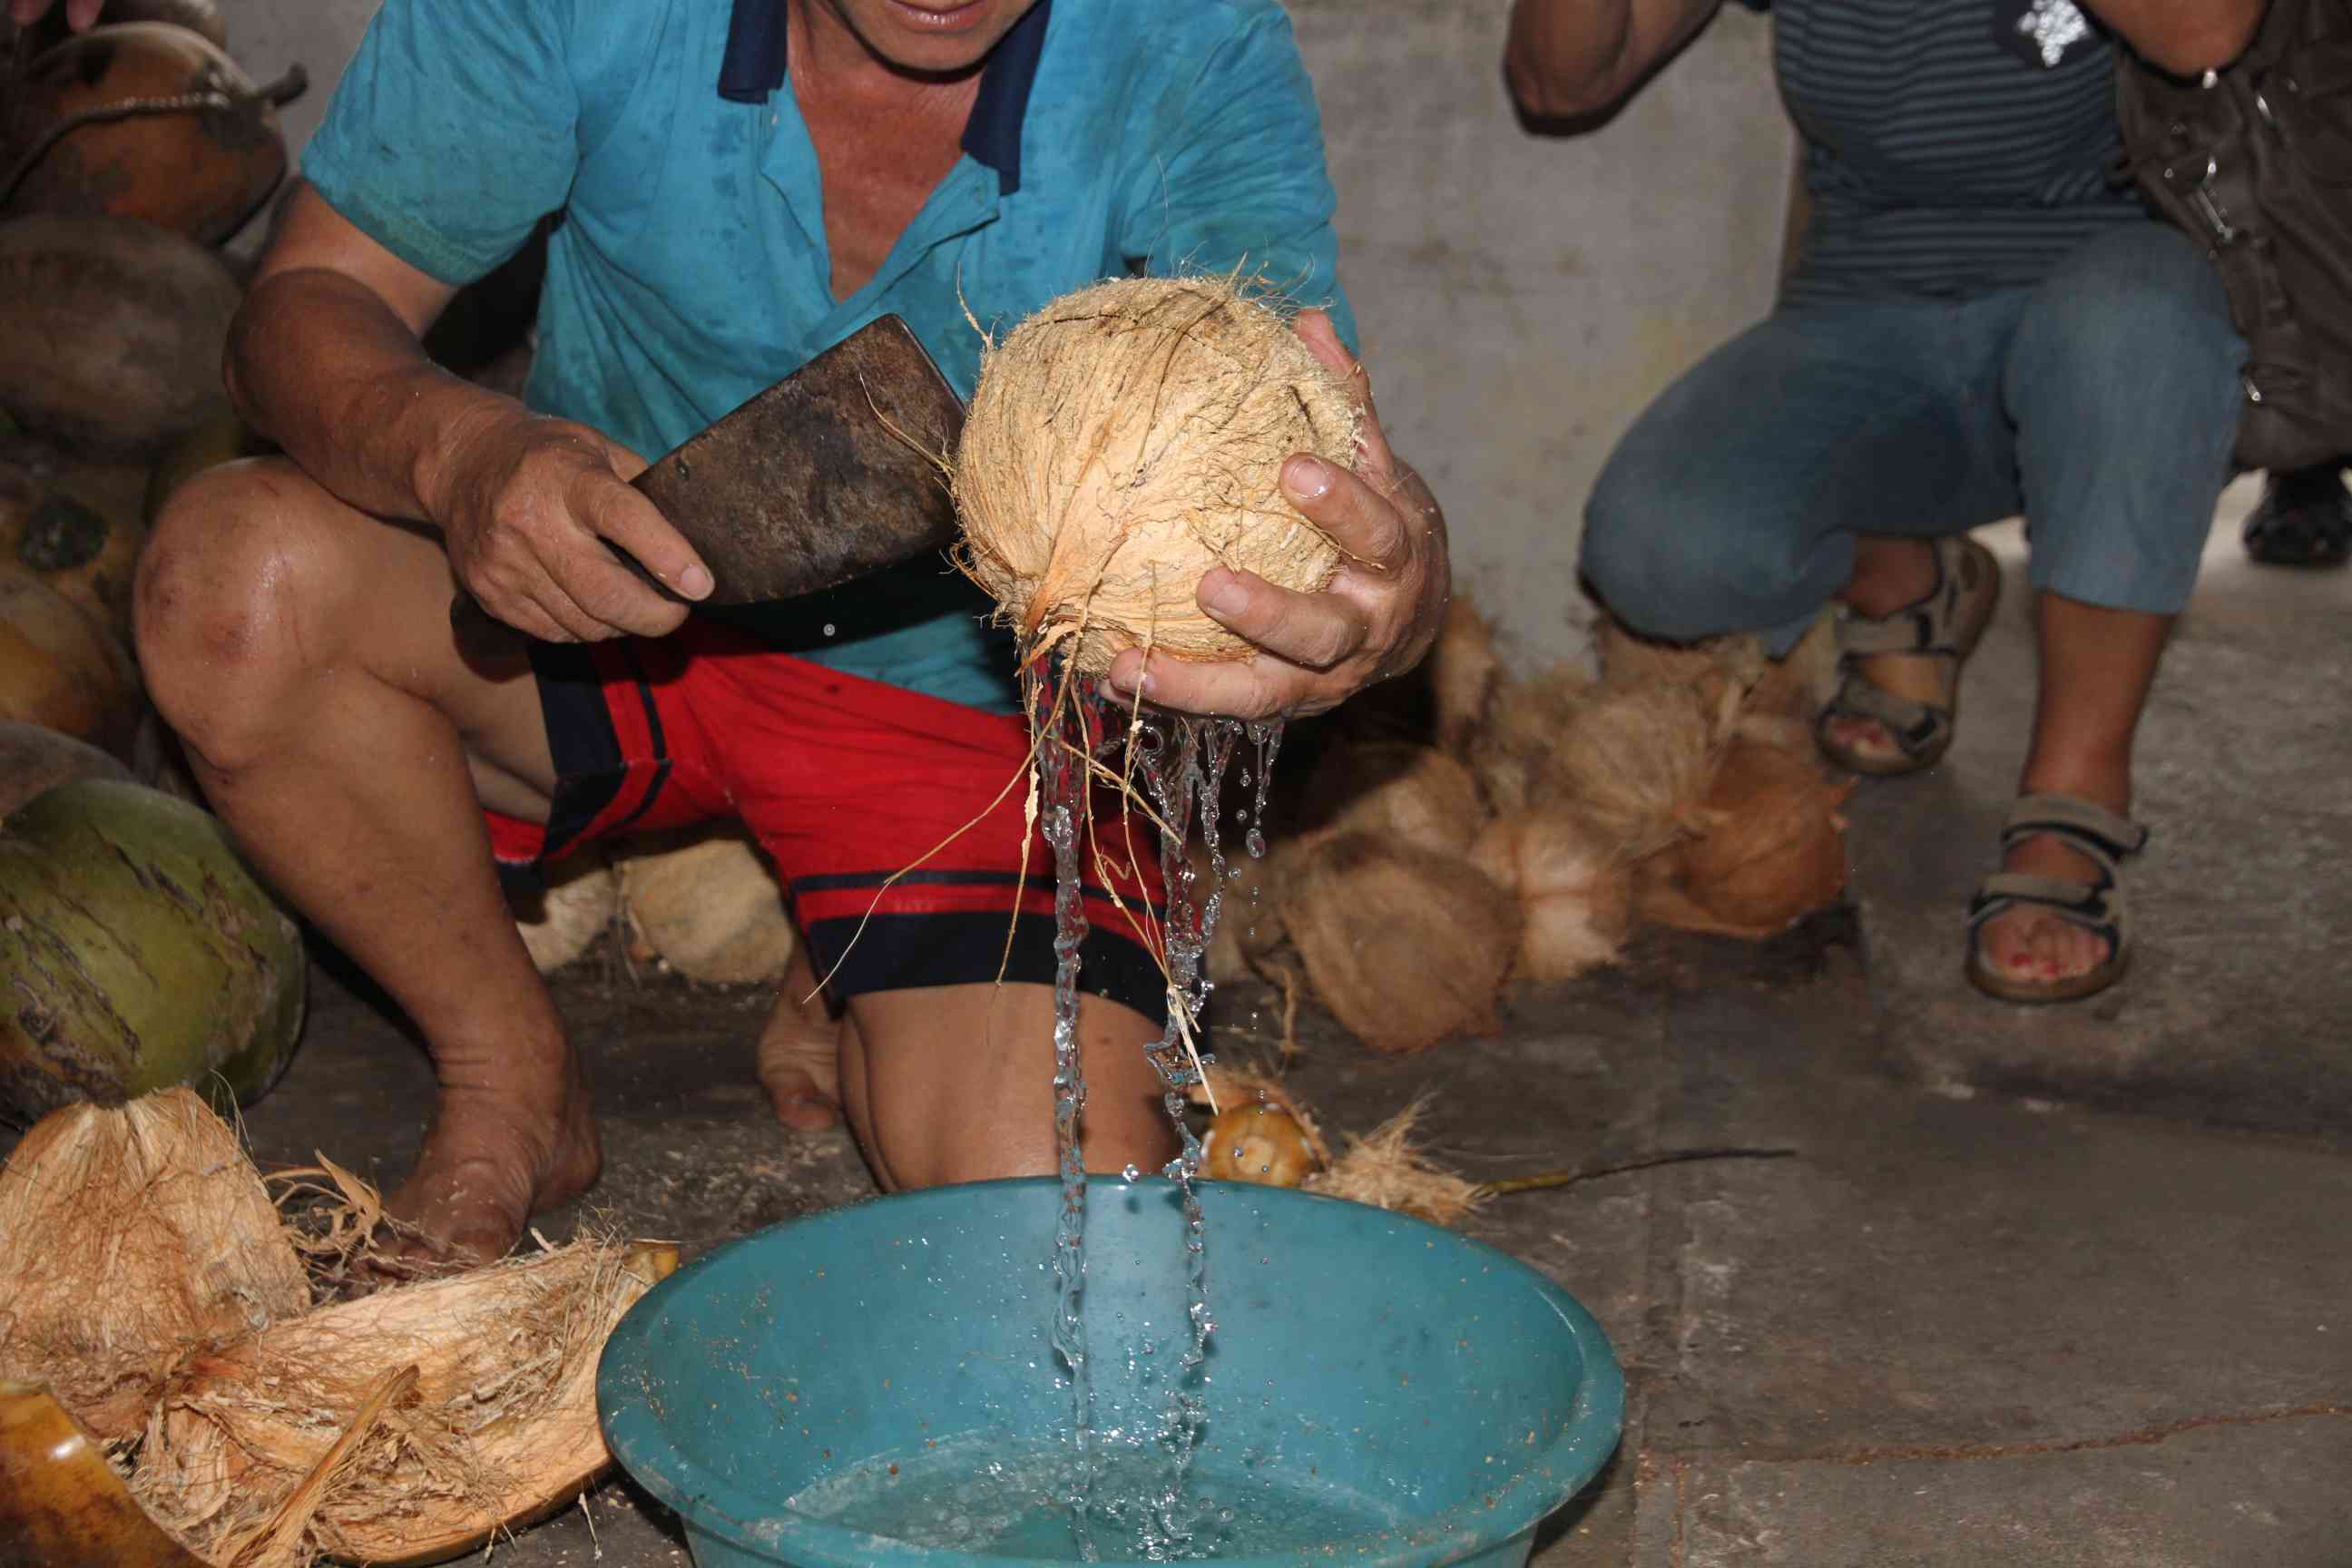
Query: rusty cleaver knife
(824,477)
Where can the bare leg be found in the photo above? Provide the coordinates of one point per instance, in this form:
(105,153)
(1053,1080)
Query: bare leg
(2098,666)
(935,1100)
(1889,574)
(799,1052)
(302,651)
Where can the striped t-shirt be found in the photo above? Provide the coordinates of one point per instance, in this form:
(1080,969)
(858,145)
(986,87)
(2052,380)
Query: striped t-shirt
(1952,146)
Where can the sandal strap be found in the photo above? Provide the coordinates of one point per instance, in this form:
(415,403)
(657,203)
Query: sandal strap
(2096,907)
(1911,725)
(2085,825)
(1925,626)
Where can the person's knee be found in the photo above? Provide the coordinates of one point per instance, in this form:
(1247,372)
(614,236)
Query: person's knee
(2135,312)
(1668,563)
(226,612)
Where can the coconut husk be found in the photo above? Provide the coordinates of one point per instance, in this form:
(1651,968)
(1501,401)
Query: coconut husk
(462,1407)
(1403,945)
(1576,897)
(1766,846)
(1249,916)
(1387,1170)
(1463,671)
(1526,721)
(1798,683)
(1126,439)
(1405,793)
(60,669)
(1635,759)
(1716,668)
(134,1233)
(708,906)
(563,919)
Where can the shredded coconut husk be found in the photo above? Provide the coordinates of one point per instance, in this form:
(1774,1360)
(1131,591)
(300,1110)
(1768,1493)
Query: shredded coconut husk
(1405,793)
(706,905)
(407,1426)
(565,917)
(1576,897)
(1125,440)
(1403,945)
(1766,846)
(132,1233)
(1387,1171)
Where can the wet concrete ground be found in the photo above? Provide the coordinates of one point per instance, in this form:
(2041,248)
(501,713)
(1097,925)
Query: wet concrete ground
(2066,1287)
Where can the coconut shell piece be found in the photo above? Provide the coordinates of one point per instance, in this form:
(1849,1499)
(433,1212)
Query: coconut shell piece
(1403,945)
(134,1235)
(1126,439)
(1575,898)
(405,1426)
(61,1504)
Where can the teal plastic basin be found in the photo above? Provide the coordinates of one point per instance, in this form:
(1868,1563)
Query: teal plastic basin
(1466,1392)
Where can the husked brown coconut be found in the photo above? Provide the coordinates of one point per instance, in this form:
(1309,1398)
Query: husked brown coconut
(462,1405)
(1575,898)
(1126,440)
(566,917)
(1770,847)
(128,1236)
(1403,945)
(1408,794)
(709,907)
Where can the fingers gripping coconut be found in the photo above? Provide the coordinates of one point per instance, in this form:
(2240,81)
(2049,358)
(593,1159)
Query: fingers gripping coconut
(1199,503)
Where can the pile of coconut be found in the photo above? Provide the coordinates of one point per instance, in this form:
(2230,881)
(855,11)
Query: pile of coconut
(197,1335)
(1522,829)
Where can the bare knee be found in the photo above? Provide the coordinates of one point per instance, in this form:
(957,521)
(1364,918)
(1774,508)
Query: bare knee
(236,601)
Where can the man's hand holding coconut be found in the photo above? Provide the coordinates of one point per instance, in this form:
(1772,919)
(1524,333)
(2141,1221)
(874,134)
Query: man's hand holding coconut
(1375,619)
(729,189)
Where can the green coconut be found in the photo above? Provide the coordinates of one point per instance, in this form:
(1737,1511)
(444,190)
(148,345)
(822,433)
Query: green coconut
(139,953)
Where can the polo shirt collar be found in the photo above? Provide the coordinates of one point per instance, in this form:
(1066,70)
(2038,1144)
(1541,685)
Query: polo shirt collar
(753,67)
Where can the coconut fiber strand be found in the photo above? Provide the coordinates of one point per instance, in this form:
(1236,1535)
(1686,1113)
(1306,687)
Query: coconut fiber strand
(1126,440)
(131,1234)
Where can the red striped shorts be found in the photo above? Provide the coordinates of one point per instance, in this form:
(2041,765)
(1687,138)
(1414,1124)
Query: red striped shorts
(845,782)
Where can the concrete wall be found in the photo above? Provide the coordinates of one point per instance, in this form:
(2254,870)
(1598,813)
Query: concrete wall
(1522,297)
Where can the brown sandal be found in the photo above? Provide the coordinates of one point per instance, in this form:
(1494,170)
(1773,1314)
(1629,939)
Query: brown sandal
(1948,622)
(2096,904)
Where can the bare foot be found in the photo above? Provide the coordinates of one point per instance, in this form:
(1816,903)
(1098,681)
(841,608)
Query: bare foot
(492,1158)
(799,1052)
(2034,944)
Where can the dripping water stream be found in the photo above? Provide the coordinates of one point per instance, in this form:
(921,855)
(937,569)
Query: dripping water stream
(1182,762)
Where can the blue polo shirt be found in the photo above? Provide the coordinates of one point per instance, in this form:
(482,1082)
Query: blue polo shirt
(689,268)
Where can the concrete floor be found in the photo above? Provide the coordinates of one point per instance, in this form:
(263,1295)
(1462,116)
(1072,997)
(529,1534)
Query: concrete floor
(2061,1288)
